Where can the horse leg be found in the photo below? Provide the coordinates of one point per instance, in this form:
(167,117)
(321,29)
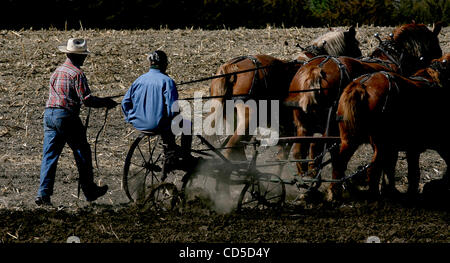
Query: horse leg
(340,161)
(438,187)
(445,154)
(374,172)
(234,151)
(389,163)
(412,158)
(437,191)
(300,150)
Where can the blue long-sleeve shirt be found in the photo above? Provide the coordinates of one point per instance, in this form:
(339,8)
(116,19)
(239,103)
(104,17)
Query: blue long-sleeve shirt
(148,102)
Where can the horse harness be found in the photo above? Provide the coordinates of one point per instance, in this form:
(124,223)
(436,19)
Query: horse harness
(256,79)
(393,88)
(343,76)
(262,81)
(386,47)
(343,71)
(315,50)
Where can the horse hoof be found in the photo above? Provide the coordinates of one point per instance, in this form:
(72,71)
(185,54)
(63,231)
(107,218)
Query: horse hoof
(436,192)
(392,193)
(333,195)
(313,196)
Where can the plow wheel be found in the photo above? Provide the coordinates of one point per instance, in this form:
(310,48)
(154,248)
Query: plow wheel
(265,191)
(143,166)
(163,197)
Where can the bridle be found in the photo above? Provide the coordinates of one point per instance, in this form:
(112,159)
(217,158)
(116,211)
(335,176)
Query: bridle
(315,50)
(390,50)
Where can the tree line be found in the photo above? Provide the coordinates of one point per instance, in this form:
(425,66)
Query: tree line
(215,14)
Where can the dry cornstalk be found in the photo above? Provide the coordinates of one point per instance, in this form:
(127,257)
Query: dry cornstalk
(13,236)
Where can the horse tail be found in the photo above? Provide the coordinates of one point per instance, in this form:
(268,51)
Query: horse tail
(310,79)
(353,107)
(220,87)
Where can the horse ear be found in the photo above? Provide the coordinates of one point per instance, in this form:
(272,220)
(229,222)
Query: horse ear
(352,31)
(437,28)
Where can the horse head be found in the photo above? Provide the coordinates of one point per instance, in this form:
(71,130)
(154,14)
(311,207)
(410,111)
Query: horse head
(334,43)
(351,44)
(416,41)
(340,43)
(389,50)
(441,67)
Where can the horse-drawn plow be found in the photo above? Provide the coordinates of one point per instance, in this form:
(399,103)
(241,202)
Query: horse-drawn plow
(112,67)
(146,181)
(308,97)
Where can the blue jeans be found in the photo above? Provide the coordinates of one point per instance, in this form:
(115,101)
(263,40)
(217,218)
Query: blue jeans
(61,127)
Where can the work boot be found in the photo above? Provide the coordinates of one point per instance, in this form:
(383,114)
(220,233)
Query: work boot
(97,192)
(43,200)
(170,161)
(190,162)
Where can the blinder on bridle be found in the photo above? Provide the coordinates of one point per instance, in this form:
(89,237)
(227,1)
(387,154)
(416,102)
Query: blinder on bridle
(315,50)
(441,68)
(390,48)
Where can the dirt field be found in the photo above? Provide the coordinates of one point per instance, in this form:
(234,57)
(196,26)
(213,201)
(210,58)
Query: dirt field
(27,59)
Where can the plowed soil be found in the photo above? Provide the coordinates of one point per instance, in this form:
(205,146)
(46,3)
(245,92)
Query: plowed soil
(27,59)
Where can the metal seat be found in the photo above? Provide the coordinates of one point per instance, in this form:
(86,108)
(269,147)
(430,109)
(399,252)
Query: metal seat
(149,133)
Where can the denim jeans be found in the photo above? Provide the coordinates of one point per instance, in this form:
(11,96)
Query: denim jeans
(61,127)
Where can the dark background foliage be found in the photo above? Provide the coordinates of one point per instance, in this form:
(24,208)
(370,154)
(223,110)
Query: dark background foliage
(215,14)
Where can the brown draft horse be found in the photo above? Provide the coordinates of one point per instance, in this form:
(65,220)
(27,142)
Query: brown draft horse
(410,47)
(272,82)
(394,114)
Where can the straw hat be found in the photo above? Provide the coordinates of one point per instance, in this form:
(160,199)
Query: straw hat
(75,46)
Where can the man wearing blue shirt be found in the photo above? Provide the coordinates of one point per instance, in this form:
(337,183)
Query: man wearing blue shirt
(147,105)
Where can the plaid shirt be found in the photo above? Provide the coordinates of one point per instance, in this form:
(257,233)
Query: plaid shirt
(68,88)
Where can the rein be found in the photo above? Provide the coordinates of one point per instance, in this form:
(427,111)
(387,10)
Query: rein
(86,125)
(237,72)
(98,135)
(256,68)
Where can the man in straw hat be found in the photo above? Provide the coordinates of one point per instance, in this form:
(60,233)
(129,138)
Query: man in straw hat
(62,124)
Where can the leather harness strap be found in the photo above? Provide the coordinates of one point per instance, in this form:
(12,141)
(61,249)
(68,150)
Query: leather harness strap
(378,61)
(256,79)
(391,82)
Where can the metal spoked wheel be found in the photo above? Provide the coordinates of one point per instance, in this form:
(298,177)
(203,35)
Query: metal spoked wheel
(143,166)
(163,197)
(265,191)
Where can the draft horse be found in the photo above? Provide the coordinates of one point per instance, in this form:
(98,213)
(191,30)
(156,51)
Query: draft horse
(409,48)
(394,113)
(271,82)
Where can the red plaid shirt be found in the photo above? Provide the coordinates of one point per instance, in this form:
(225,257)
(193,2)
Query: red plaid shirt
(68,88)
